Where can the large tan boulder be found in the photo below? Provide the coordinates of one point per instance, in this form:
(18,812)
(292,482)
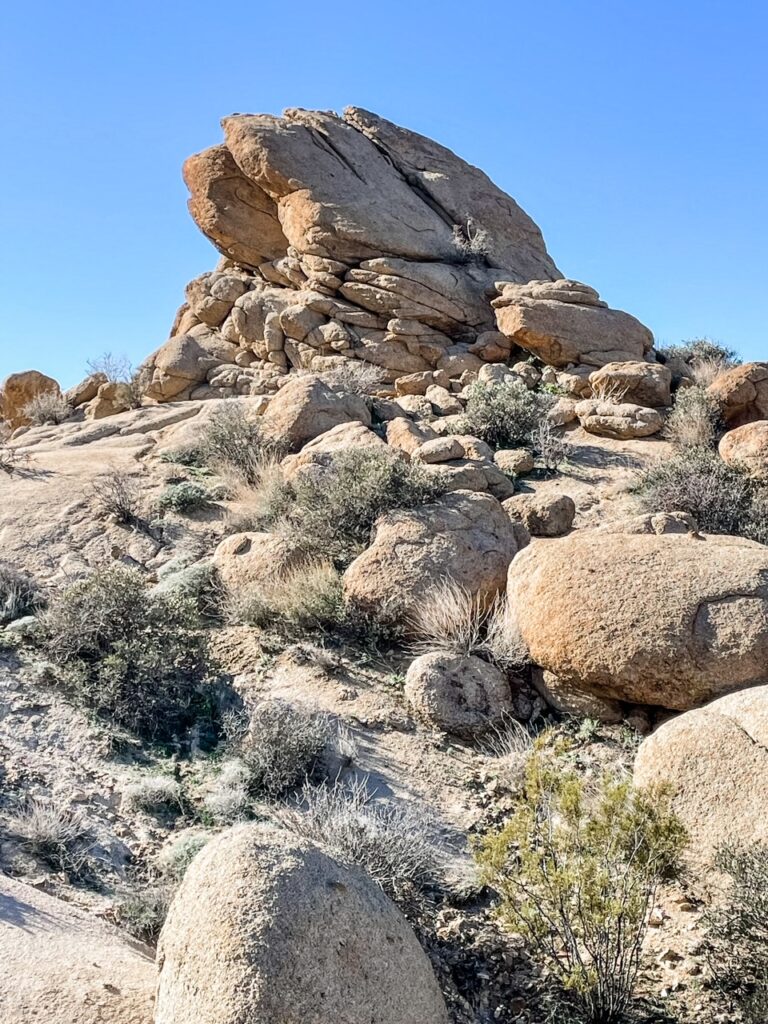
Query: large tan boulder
(17,392)
(742,393)
(637,382)
(671,619)
(61,966)
(459,694)
(543,515)
(622,421)
(319,452)
(184,361)
(715,760)
(306,407)
(86,390)
(268,929)
(564,322)
(465,537)
(747,446)
(247,559)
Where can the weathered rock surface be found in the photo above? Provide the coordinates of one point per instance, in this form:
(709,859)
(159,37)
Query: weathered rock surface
(747,446)
(465,537)
(638,383)
(62,966)
(565,322)
(462,695)
(742,393)
(320,450)
(716,761)
(247,559)
(306,407)
(543,515)
(268,929)
(672,620)
(18,390)
(621,421)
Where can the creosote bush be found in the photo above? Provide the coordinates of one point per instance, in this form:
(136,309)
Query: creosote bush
(737,929)
(721,498)
(135,657)
(393,842)
(19,594)
(700,350)
(576,870)
(47,407)
(504,414)
(694,419)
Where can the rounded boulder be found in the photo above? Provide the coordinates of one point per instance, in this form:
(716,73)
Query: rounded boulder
(460,694)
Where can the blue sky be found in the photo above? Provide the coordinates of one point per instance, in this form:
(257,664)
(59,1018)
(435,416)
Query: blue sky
(633,133)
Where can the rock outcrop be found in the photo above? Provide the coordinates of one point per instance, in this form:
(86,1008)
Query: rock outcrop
(63,967)
(268,929)
(671,620)
(621,421)
(18,390)
(715,760)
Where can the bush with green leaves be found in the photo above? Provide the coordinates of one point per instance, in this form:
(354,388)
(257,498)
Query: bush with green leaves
(700,350)
(19,594)
(184,497)
(737,929)
(504,414)
(576,868)
(231,444)
(721,498)
(134,656)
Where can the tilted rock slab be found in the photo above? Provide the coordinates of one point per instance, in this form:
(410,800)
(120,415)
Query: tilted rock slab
(671,620)
(716,761)
(268,929)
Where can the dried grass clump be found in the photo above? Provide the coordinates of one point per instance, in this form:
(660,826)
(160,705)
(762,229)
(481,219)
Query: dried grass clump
(236,447)
(19,594)
(54,830)
(356,378)
(153,793)
(693,422)
(47,407)
(451,619)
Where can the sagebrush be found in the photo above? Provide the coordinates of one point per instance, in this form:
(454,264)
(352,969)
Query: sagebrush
(281,747)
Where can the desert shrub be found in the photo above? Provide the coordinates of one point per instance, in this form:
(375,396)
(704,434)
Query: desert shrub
(550,445)
(721,498)
(54,830)
(283,744)
(172,861)
(183,498)
(131,655)
(700,350)
(47,407)
(393,842)
(504,414)
(737,929)
(228,799)
(356,378)
(119,369)
(694,419)
(335,512)
(509,744)
(576,874)
(116,495)
(261,504)
(307,597)
(185,455)
(449,618)
(471,243)
(233,445)
(152,793)
(11,459)
(19,594)
(143,910)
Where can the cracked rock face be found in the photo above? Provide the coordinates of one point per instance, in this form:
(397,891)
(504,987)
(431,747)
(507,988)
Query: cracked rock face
(672,620)
(343,237)
(716,761)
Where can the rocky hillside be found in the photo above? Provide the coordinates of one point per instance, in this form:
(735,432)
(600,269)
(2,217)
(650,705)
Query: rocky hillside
(424,679)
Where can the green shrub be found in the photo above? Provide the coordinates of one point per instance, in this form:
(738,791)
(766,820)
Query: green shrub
(504,414)
(700,350)
(231,444)
(183,498)
(19,594)
(131,655)
(307,598)
(694,419)
(737,929)
(576,871)
(721,498)
(335,511)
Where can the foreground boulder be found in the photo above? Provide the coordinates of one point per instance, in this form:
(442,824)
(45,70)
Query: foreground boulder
(564,322)
(268,929)
(747,446)
(716,761)
(247,559)
(543,515)
(742,393)
(465,537)
(61,966)
(17,392)
(671,619)
(460,694)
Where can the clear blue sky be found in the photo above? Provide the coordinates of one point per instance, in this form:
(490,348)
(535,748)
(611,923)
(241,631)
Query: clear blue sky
(634,133)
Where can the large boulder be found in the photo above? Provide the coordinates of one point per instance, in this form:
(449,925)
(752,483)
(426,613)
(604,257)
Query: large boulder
(742,393)
(306,407)
(622,421)
(17,392)
(715,760)
(247,559)
(465,536)
(747,446)
(184,361)
(637,382)
(543,515)
(62,966)
(460,694)
(318,453)
(564,322)
(268,929)
(665,619)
